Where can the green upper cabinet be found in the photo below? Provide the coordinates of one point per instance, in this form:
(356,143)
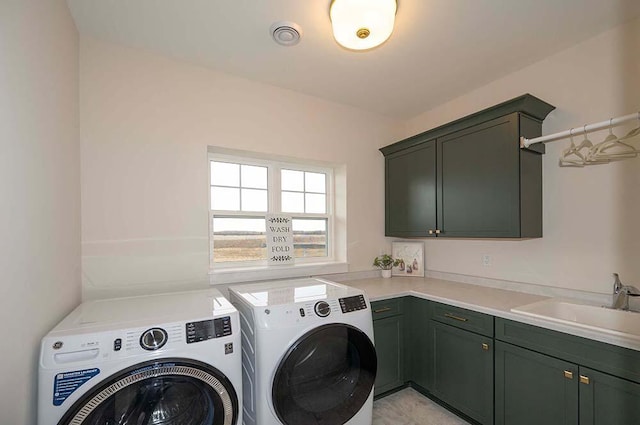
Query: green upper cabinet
(478,181)
(410,188)
(469,178)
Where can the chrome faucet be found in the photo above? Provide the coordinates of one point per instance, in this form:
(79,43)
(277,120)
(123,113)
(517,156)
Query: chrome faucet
(622,293)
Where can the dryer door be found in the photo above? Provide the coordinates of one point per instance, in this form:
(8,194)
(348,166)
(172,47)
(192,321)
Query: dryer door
(325,377)
(165,391)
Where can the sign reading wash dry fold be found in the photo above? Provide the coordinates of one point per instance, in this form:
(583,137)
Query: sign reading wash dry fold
(279,239)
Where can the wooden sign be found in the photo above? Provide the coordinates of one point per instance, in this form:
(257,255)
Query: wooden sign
(279,239)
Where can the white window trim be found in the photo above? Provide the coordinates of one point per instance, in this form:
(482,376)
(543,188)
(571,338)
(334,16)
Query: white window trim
(246,274)
(232,272)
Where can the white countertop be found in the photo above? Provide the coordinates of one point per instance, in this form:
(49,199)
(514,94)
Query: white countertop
(496,302)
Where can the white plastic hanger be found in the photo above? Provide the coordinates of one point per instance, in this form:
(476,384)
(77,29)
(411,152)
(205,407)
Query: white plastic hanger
(571,157)
(633,133)
(587,145)
(611,149)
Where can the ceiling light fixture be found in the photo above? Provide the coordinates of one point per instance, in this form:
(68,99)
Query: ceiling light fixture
(362,24)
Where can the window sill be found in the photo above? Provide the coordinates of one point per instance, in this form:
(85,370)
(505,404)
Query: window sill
(247,274)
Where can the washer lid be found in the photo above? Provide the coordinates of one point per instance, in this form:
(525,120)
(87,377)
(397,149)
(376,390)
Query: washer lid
(122,313)
(279,292)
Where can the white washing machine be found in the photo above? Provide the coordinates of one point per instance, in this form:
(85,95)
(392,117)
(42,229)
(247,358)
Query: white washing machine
(308,353)
(163,359)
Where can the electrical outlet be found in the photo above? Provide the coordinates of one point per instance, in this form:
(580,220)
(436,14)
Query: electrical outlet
(486,260)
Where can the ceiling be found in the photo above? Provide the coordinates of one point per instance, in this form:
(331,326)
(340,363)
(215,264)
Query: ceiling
(440,49)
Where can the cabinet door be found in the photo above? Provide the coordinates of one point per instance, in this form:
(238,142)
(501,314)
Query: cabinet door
(462,371)
(389,341)
(534,389)
(410,191)
(418,342)
(479,180)
(608,400)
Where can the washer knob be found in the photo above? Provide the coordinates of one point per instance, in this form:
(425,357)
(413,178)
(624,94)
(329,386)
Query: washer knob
(153,339)
(322,308)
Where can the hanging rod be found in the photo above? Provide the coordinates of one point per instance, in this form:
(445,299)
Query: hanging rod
(610,123)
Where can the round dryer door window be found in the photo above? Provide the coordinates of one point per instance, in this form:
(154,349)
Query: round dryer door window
(166,392)
(325,377)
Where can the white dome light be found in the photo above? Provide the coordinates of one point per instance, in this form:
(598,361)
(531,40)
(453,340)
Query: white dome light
(362,24)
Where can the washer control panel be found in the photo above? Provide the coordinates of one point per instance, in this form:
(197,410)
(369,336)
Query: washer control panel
(325,308)
(354,303)
(208,329)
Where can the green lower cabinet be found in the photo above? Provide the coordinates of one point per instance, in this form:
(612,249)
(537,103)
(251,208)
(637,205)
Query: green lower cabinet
(531,376)
(462,371)
(389,341)
(534,389)
(418,344)
(608,400)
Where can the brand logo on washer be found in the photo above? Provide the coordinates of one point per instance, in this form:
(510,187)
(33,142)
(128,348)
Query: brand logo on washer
(57,345)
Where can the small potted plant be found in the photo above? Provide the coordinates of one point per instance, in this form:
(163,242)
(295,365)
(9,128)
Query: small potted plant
(385,262)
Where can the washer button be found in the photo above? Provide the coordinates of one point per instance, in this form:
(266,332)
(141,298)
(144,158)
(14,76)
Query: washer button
(322,308)
(153,339)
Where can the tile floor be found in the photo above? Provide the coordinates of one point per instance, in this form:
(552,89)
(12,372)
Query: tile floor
(408,407)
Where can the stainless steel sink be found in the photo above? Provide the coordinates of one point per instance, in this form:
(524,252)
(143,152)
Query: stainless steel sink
(593,317)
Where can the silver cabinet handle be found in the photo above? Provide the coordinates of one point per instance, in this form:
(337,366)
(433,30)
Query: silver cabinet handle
(438,232)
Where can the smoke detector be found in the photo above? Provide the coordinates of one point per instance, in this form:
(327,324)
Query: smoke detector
(286,33)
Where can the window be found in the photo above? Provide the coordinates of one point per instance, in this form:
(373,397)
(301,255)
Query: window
(243,190)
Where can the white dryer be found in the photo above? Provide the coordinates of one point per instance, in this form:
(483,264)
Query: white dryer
(308,353)
(163,359)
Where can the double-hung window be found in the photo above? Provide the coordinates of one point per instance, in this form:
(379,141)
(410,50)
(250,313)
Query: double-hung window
(243,190)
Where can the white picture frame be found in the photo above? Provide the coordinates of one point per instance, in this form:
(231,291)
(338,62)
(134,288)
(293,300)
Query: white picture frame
(411,255)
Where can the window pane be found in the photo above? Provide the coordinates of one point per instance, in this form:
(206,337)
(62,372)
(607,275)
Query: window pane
(255,177)
(292,202)
(315,203)
(254,200)
(292,180)
(225,198)
(315,182)
(239,239)
(225,174)
(309,237)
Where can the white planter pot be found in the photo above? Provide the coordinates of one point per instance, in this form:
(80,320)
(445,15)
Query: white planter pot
(386,273)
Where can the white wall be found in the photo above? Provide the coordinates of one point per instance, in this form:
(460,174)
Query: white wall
(147,120)
(40,187)
(591,225)
(146,123)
